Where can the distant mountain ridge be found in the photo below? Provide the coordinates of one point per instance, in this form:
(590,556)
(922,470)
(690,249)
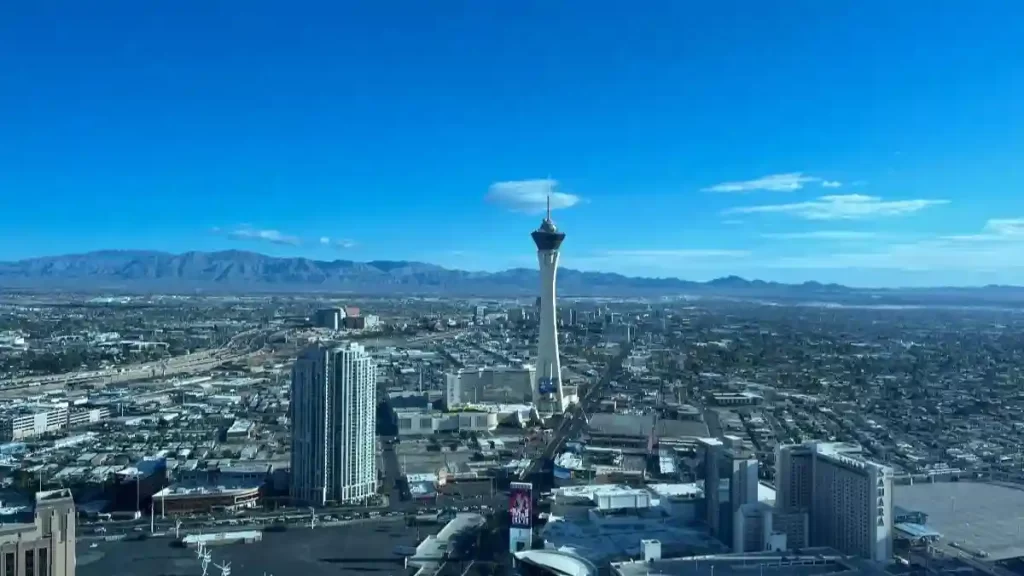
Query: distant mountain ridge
(241,271)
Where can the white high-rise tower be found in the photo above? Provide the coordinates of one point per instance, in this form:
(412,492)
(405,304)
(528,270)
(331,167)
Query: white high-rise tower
(333,410)
(548,390)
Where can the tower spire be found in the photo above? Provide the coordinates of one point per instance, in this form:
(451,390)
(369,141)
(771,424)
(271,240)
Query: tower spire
(549,205)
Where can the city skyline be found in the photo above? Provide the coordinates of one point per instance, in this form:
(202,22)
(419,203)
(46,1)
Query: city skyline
(869,147)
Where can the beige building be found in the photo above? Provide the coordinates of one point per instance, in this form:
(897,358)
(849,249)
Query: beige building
(44,547)
(848,497)
(492,384)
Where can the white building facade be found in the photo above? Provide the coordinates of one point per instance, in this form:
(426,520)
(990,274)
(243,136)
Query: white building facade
(334,419)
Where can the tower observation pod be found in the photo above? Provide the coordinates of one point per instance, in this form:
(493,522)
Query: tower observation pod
(548,389)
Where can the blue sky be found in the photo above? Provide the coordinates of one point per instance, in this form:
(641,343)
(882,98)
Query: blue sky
(862,142)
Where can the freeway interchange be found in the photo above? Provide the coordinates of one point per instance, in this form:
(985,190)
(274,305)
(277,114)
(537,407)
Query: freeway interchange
(187,364)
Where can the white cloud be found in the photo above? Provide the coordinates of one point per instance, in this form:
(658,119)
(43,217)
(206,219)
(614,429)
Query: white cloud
(996,248)
(930,255)
(831,184)
(842,207)
(774,183)
(272,236)
(530,196)
(338,242)
(684,254)
(822,235)
(995,230)
(660,261)
(1006,227)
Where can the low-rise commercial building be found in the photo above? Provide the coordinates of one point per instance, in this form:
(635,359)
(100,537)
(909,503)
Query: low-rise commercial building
(471,418)
(500,384)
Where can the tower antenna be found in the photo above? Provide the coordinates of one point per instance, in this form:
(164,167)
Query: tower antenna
(551,186)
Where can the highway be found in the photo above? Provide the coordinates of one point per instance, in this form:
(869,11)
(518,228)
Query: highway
(189,363)
(202,361)
(164,528)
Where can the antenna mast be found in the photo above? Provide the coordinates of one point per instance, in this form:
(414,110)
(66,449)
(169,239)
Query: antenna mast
(225,568)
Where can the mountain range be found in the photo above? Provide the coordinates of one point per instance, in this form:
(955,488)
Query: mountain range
(240,271)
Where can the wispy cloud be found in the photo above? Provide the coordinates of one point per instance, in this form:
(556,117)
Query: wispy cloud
(929,255)
(831,184)
(995,230)
(246,232)
(1006,227)
(666,262)
(530,196)
(338,242)
(683,254)
(996,248)
(774,183)
(839,235)
(842,207)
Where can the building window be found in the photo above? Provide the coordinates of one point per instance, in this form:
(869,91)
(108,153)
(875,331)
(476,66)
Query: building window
(44,562)
(9,564)
(30,562)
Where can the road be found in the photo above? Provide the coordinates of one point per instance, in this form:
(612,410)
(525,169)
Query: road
(392,473)
(572,426)
(189,363)
(185,529)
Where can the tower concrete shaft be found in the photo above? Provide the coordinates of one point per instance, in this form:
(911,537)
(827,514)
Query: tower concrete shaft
(548,390)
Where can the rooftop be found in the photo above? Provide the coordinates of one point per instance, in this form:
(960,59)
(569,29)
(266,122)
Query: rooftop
(336,551)
(980,516)
(557,561)
(181,490)
(813,562)
(620,537)
(621,424)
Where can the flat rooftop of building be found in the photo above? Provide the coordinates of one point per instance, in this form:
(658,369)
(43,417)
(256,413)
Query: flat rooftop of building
(684,490)
(682,428)
(354,549)
(638,425)
(186,490)
(470,488)
(414,458)
(592,491)
(601,541)
(980,516)
(813,562)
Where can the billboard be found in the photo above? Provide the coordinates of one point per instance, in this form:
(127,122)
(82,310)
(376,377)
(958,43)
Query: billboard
(547,385)
(520,504)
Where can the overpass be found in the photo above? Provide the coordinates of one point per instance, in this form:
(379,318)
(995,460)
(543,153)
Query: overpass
(195,362)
